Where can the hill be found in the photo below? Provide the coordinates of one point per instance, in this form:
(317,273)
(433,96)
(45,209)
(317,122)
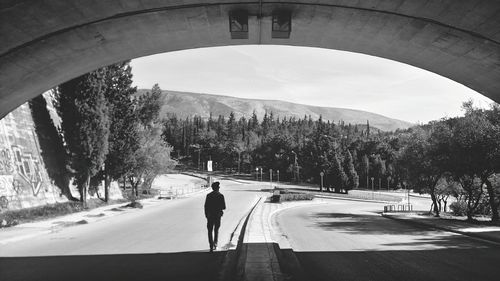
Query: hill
(185,104)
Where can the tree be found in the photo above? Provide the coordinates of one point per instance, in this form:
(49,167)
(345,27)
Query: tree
(352,175)
(364,167)
(474,157)
(152,156)
(149,105)
(85,122)
(124,136)
(335,172)
(150,159)
(421,161)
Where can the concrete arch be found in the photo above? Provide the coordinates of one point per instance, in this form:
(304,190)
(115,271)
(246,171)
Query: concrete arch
(44,43)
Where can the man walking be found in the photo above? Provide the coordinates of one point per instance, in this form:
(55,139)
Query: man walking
(214,204)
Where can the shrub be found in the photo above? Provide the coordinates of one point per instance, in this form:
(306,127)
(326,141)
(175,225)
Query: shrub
(296,196)
(459,208)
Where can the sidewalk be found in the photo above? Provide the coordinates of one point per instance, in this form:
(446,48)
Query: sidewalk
(29,230)
(262,249)
(488,233)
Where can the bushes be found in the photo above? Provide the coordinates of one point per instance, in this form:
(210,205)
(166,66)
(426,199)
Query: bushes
(296,196)
(286,195)
(459,208)
(14,217)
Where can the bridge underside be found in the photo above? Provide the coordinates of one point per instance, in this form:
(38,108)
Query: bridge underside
(44,43)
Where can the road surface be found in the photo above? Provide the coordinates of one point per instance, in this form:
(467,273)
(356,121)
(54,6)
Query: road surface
(167,241)
(348,240)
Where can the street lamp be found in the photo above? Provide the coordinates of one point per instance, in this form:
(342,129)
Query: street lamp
(372,178)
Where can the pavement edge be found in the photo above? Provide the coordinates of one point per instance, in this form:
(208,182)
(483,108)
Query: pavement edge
(233,265)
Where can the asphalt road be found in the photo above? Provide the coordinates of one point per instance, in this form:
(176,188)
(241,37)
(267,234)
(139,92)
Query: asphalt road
(348,240)
(167,241)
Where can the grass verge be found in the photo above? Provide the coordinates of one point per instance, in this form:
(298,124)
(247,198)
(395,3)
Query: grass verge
(13,217)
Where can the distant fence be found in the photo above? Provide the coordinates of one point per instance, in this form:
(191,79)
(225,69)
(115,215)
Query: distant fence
(176,191)
(398,208)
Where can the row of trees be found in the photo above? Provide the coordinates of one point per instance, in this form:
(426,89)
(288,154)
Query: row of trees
(454,156)
(457,156)
(298,148)
(108,131)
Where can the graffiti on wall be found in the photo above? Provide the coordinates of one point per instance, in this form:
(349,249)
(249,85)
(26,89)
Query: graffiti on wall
(25,168)
(5,183)
(28,170)
(6,167)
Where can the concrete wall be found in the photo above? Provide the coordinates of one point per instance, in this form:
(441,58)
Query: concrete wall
(24,181)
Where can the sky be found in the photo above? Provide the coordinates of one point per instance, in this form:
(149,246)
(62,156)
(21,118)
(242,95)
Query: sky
(312,76)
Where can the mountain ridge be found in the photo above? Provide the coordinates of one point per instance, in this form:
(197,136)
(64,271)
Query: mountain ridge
(186,104)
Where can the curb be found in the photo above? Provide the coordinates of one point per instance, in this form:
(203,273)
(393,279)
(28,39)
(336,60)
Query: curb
(353,199)
(490,240)
(233,264)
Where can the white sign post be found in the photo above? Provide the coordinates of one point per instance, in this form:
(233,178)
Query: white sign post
(209,165)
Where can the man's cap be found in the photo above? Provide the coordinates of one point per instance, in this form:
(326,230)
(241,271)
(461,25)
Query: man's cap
(216,185)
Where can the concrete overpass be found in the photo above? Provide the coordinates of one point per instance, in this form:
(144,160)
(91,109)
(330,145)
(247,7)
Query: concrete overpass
(44,43)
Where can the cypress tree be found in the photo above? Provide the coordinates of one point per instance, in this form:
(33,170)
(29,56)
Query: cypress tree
(84,112)
(352,175)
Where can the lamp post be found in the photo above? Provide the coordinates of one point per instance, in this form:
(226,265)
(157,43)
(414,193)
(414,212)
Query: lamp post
(278,176)
(256,173)
(372,178)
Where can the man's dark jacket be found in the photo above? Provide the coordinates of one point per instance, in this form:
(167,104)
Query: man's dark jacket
(214,204)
